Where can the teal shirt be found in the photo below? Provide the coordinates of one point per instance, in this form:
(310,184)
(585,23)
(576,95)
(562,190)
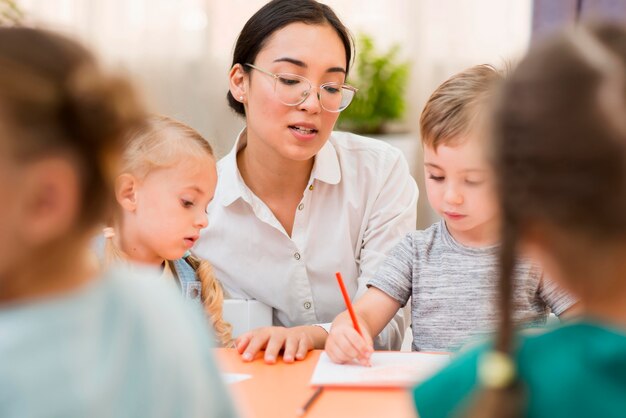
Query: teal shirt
(120,346)
(577,370)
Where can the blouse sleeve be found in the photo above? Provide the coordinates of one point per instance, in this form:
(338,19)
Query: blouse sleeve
(392,215)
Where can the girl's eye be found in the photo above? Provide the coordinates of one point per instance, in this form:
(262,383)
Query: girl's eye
(186,203)
(474,182)
(437,178)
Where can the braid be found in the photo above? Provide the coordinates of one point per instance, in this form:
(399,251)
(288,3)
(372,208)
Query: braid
(212,299)
(211,292)
(501,395)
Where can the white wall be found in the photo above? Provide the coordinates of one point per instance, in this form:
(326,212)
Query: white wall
(180,50)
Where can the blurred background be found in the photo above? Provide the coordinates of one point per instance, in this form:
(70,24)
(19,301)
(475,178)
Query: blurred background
(179,53)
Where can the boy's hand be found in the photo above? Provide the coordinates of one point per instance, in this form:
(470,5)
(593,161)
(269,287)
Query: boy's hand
(344,344)
(295,342)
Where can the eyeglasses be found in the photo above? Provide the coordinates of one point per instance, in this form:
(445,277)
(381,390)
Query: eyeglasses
(292,90)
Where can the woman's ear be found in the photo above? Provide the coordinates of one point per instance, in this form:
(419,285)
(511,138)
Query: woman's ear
(126,191)
(51,200)
(238,83)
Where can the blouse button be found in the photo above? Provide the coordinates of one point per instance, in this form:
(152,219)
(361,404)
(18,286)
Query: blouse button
(307,305)
(301,206)
(296,256)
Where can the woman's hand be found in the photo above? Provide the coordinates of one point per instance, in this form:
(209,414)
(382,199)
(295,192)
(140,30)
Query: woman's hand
(295,342)
(344,344)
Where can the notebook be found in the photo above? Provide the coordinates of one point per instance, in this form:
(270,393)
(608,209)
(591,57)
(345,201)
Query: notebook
(389,369)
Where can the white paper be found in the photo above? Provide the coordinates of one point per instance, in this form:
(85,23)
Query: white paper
(389,369)
(231,378)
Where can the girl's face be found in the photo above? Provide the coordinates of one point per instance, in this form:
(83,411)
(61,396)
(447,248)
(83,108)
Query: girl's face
(293,132)
(170,209)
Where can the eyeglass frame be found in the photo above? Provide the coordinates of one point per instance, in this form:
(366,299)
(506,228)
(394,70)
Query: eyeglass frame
(307,92)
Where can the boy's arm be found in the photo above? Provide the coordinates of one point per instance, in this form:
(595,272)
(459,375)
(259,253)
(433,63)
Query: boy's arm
(376,308)
(373,310)
(573,312)
(562,303)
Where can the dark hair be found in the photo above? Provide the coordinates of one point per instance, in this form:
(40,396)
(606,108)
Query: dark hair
(276,15)
(55,99)
(560,159)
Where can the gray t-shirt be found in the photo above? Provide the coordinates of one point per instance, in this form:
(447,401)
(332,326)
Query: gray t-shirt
(454,289)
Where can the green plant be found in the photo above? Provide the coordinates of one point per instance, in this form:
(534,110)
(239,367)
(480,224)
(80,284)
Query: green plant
(10,14)
(381,79)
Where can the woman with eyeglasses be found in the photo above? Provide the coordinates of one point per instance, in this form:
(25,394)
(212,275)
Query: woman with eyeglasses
(295,201)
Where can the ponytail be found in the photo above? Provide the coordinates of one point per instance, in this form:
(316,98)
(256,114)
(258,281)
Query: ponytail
(212,296)
(501,394)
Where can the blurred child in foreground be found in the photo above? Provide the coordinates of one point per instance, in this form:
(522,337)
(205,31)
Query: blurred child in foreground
(76,342)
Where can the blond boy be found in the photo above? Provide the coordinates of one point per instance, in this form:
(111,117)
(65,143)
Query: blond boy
(450,269)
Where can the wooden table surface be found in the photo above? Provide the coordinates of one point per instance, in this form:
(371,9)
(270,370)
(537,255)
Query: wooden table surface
(280,390)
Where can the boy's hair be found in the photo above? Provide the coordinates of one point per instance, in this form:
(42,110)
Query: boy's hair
(54,99)
(454,108)
(164,142)
(560,159)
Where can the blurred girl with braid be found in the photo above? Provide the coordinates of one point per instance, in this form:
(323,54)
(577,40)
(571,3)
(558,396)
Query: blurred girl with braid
(560,156)
(76,341)
(167,179)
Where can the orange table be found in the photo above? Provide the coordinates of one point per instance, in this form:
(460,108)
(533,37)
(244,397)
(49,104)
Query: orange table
(280,390)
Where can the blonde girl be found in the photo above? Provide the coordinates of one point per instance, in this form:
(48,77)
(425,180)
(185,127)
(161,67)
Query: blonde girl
(167,179)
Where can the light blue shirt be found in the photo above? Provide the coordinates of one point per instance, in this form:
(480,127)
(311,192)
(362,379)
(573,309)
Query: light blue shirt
(121,346)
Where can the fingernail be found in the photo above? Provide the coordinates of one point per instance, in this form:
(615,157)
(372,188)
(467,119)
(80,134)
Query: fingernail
(247,356)
(270,359)
(288,359)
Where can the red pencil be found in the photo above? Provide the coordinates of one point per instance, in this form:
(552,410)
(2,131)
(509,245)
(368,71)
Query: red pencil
(346,298)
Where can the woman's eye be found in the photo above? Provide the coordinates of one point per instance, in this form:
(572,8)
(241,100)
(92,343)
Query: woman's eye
(186,203)
(288,81)
(474,182)
(437,178)
(332,89)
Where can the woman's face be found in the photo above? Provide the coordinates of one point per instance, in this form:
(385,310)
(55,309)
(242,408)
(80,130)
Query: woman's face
(294,132)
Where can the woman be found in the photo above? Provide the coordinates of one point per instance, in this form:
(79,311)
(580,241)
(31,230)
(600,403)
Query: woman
(294,200)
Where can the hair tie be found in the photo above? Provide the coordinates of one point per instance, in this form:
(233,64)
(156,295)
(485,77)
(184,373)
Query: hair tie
(108,232)
(496,370)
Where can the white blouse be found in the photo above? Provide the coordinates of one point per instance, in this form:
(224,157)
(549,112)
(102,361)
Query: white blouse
(361,200)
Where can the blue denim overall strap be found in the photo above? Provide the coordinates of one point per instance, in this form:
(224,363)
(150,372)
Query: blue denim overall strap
(189,283)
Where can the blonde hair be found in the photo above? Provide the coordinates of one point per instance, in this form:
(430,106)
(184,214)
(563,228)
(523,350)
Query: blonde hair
(454,107)
(163,142)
